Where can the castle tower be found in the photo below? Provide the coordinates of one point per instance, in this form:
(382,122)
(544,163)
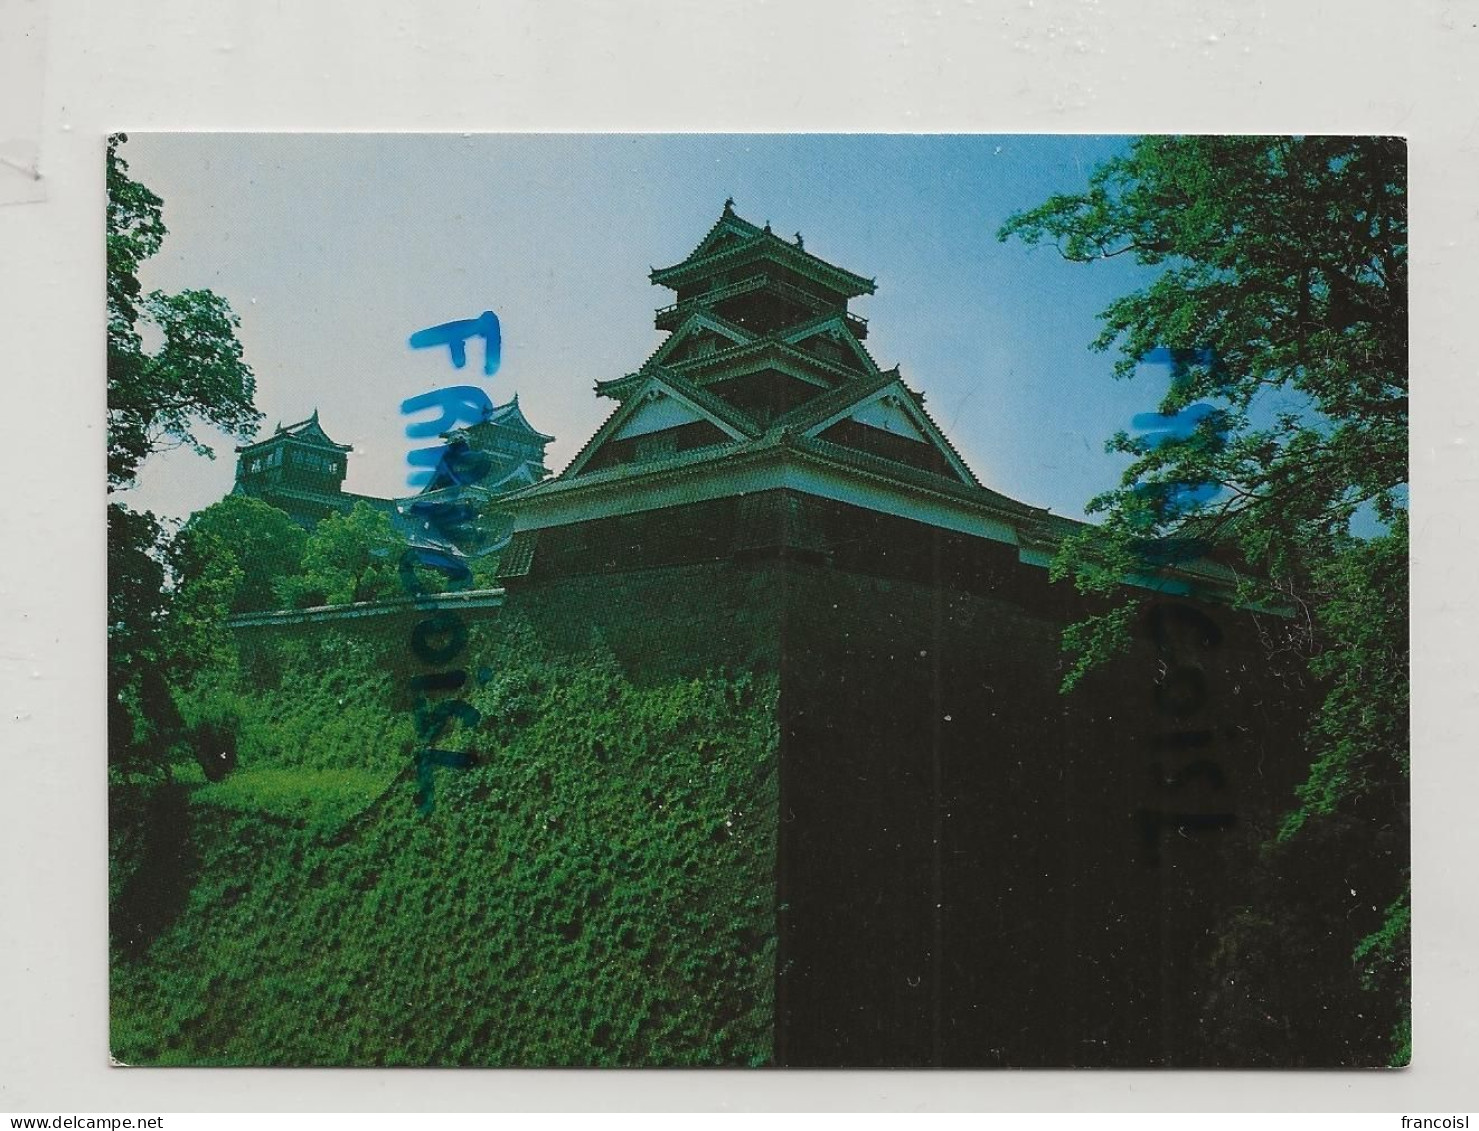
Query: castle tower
(744,286)
(764,395)
(297,469)
(514,448)
(967,868)
(501,453)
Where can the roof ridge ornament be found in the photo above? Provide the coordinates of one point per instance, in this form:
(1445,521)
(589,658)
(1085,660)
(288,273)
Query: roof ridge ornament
(729,206)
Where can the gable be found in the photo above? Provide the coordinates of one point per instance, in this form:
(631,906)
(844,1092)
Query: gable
(701,334)
(664,403)
(311,433)
(763,355)
(724,239)
(511,416)
(888,416)
(700,345)
(654,447)
(520,476)
(729,232)
(734,240)
(656,415)
(832,341)
(890,423)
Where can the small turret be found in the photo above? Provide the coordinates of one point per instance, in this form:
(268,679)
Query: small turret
(298,469)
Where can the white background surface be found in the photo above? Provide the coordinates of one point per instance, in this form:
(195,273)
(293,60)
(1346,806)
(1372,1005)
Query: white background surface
(1030,66)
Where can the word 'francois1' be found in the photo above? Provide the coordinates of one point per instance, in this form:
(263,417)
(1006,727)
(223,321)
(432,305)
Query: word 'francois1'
(448,531)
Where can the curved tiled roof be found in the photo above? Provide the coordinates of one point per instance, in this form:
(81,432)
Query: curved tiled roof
(511,413)
(736,418)
(308,431)
(759,346)
(803,330)
(752,238)
(746,336)
(823,405)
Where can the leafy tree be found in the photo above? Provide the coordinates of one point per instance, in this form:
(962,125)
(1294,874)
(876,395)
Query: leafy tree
(208,577)
(154,397)
(263,542)
(141,712)
(1282,298)
(195,373)
(349,557)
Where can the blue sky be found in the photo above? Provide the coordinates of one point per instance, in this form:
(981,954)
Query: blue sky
(333,249)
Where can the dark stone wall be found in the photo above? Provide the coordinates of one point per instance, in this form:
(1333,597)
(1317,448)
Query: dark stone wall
(974,869)
(978,870)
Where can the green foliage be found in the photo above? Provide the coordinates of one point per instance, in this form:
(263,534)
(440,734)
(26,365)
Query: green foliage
(347,558)
(1361,731)
(196,373)
(135,233)
(1098,566)
(1402,1041)
(153,398)
(1283,294)
(320,799)
(1282,297)
(485,571)
(128,834)
(213,724)
(1094,641)
(597,889)
(1283,272)
(1384,958)
(264,543)
(331,703)
(141,715)
(208,576)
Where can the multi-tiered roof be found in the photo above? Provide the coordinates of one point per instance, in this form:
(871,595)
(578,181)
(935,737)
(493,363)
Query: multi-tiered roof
(763,356)
(763,385)
(501,453)
(762,348)
(298,469)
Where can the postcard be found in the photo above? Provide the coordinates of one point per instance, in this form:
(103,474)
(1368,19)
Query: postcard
(707,600)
